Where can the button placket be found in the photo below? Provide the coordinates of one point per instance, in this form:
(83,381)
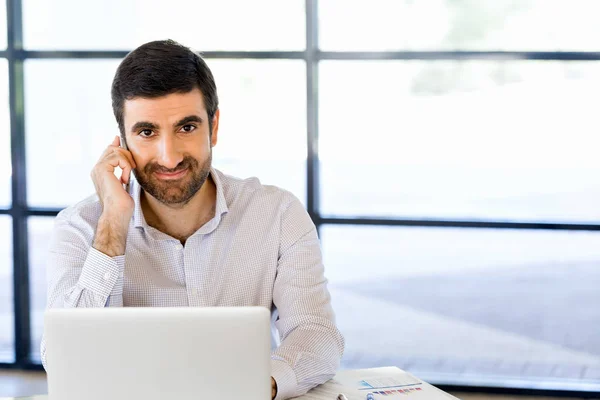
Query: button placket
(192,273)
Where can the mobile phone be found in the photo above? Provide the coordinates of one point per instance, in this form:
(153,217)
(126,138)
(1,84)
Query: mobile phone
(124,145)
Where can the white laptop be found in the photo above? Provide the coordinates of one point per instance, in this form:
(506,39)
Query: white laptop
(158,353)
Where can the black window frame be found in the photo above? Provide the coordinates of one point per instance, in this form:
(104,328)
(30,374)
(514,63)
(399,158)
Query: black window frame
(20,211)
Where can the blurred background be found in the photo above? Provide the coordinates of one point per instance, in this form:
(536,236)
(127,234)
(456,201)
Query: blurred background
(445,149)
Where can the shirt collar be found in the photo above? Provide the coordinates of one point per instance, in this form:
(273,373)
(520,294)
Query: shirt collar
(220,207)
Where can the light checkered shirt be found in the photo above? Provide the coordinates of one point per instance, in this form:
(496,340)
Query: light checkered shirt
(260,249)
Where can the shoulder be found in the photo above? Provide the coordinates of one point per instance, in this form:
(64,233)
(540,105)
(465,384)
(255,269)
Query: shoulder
(267,207)
(250,193)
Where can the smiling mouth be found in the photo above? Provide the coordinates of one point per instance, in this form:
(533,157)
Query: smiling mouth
(171,175)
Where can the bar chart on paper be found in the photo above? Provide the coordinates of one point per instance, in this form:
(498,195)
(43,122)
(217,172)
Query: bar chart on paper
(390,385)
(376,383)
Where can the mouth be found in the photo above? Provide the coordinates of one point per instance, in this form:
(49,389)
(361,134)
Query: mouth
(171,175)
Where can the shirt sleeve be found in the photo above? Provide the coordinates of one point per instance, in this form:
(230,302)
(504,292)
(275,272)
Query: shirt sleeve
(78,275)
(311,345)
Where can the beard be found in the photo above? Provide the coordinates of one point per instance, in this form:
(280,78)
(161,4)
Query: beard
(176,192)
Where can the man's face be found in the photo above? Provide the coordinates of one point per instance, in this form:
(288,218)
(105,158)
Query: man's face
(169,138)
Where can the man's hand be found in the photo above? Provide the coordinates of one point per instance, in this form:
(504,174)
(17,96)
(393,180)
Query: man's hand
(117,204)
(273,388)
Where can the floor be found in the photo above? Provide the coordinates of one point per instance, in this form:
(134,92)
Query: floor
(21,383)
(526,323)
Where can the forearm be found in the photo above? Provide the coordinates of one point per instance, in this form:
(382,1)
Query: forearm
(111,235)
(308,356)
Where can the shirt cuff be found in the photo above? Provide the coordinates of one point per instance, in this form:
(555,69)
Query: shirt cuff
(102,274)
(285,377)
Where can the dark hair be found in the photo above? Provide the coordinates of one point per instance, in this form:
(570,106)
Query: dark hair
(160,68)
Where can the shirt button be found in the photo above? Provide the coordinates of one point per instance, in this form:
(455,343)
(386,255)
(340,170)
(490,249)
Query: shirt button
(179,246)
(107,276)
(196,291)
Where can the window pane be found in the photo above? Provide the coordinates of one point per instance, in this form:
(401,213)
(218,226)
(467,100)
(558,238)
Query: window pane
(268,143)
(69,122)
(40,232)
(457,305)
(513,140)
(382,25)
(262,129)
(204,25)
(3,25)
(5,156)
(7,326)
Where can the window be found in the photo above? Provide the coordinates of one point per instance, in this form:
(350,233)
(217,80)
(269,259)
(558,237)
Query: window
(513,25)
(3,26)
(69,123)
(460,139)
(7,338)
(467,304)
(445,149)
(40,232)
(124,25)
(262,130)
(5,158)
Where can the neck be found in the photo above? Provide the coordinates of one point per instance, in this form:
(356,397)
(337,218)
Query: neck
(181,221)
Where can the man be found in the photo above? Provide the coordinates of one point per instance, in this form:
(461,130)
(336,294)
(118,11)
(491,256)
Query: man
(186,234)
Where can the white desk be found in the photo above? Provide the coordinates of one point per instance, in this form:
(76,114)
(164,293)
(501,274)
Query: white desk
(330,390)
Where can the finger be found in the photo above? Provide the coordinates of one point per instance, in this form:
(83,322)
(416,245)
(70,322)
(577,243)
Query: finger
(129,157)
(125,175)
(125,171)
(109,150)
(116,141)
(121,152)
(115,160)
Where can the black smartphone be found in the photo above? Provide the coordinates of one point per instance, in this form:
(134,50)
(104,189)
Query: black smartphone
(124,145)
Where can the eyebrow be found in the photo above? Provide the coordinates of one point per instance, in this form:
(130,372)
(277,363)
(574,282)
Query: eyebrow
(141,125)
(188,119)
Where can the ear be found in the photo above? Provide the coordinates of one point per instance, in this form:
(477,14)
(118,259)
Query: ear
(215,129)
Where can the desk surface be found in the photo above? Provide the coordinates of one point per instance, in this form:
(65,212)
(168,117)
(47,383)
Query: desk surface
(44,397)
(341,381)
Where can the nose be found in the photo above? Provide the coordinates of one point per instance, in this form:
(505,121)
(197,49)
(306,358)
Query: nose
(170,155)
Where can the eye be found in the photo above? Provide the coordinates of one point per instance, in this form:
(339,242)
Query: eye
(188,128)
(146,133)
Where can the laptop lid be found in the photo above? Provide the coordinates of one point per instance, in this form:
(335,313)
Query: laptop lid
(157,353)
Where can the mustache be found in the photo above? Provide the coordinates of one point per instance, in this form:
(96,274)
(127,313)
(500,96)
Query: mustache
(187,162)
